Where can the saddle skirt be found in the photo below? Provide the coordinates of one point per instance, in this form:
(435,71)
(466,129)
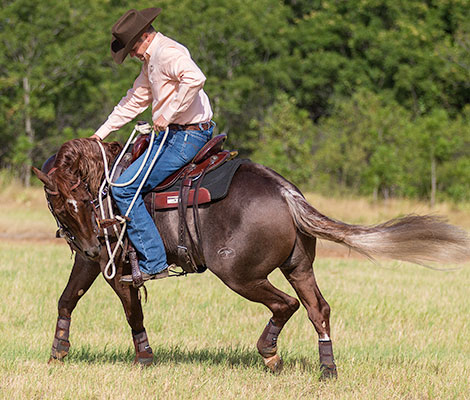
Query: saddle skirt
(214,186)
(212,164)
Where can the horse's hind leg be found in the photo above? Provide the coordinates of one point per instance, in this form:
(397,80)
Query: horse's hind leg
(81,278)
(299,272)
(281,305)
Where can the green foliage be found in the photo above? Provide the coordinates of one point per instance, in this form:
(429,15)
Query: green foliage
(48,57)
(381,86)
(437,137)
(361,145)
(285,140)
(239,45)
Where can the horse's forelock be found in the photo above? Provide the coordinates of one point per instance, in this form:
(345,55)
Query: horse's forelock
(82,159)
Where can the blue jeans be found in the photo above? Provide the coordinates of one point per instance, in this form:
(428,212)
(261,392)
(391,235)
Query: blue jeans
(179,148)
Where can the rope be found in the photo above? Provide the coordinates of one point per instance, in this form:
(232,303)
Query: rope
(110,269)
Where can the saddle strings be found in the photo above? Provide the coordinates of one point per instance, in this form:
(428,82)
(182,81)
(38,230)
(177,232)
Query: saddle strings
(110,269)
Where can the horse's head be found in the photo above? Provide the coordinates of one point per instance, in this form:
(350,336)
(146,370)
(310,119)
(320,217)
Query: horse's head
(72,207)
(71,185)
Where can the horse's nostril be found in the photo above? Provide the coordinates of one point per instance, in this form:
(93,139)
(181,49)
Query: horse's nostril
(93,252)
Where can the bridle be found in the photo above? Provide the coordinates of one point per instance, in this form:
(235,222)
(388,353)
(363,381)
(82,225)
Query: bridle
(63,230)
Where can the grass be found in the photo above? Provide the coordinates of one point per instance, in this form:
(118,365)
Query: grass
(399,331)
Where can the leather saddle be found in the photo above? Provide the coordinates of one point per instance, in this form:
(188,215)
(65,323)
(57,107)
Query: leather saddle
(190,193)
(210,157)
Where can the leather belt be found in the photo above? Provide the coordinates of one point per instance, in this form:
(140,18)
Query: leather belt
(191,127)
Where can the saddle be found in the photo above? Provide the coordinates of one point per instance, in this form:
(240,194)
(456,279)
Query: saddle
(181,190)
(210,157)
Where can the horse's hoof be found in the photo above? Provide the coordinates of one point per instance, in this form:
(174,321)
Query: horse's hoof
(328,372)
(60,349)
(55,361)
(274,364)
(143,361)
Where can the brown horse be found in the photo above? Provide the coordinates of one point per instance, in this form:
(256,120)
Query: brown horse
(262,224)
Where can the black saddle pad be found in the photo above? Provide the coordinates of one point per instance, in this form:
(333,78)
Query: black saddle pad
(217,182)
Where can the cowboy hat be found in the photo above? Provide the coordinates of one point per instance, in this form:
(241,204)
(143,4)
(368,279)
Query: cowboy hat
(128,29)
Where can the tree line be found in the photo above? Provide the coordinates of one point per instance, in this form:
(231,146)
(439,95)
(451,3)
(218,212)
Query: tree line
(340,96)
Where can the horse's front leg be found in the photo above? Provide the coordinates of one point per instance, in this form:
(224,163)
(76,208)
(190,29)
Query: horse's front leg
(130,300)
(84,273)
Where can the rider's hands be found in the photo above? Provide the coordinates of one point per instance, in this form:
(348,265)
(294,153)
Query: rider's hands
(160,124)
(95,136)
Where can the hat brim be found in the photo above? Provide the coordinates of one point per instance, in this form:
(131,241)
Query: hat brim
(118,52)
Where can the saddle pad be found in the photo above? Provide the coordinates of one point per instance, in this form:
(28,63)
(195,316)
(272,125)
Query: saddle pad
(214,186)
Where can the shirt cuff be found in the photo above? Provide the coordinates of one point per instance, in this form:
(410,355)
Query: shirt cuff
(103,131)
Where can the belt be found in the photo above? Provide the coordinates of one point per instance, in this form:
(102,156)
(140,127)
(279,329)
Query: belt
(203,126)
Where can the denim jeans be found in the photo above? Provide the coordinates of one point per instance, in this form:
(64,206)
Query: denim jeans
(179,148)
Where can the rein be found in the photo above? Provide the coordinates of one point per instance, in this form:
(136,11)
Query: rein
(110,268)
(98,205)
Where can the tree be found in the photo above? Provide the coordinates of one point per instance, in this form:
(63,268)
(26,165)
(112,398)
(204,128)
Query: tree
(436,139)
(284,141)
(361,147)
(340,47)
(239,46)
(53,78)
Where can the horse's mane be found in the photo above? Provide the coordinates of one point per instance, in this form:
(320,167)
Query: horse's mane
(82,159)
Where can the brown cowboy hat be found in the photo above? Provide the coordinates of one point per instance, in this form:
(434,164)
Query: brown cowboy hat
(128,29)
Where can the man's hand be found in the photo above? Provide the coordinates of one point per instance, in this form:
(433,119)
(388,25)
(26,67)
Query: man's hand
(160,124)
(94,136)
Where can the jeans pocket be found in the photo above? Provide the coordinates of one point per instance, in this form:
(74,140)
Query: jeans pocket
(193,142)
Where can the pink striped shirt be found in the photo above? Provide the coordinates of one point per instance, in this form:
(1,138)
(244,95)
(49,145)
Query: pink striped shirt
(169,80)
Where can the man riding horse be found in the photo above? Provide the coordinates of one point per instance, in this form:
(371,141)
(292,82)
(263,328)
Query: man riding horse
(172,83)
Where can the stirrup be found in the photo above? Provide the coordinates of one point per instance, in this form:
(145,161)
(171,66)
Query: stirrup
(176,270)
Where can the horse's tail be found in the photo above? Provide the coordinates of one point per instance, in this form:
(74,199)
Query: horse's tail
(414,238)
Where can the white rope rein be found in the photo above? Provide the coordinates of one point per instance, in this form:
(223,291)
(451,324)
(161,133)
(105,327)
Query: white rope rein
(110,269)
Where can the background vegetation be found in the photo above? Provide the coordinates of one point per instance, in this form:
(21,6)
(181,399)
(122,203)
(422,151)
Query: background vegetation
(363,96)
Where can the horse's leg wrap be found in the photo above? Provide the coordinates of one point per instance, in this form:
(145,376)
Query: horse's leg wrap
(61,344)
(143,351)
(267,347)
(327,361)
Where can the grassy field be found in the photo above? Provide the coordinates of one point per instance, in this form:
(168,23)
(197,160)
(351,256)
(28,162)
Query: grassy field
(400,331)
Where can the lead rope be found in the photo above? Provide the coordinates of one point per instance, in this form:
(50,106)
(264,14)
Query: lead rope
(146,128)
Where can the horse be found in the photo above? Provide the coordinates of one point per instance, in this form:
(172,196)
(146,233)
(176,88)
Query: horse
(262,224)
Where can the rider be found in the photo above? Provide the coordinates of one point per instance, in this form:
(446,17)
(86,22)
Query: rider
(172,83)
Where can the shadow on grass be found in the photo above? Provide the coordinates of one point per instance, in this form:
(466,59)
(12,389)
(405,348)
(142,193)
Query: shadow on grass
(227,356)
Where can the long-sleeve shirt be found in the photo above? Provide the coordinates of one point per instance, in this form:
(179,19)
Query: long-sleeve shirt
(169,80)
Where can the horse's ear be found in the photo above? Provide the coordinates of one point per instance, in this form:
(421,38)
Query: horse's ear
(44,178)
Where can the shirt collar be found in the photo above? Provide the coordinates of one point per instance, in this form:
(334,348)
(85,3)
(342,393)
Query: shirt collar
(152,47)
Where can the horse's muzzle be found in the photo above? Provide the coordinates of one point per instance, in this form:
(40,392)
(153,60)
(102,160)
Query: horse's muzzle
(93,252)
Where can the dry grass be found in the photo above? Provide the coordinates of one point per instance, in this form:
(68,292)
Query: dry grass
(399,331)
(365,211)
(25,214)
